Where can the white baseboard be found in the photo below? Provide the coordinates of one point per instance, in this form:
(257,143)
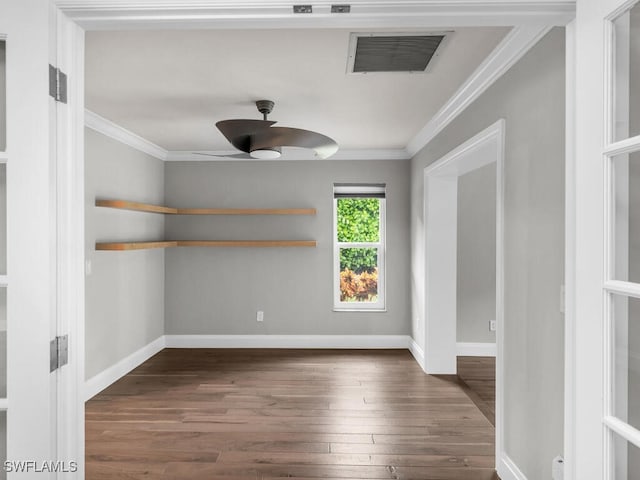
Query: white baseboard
(105,378)
(417,352)
(466,349)
(508,470)
(287,341)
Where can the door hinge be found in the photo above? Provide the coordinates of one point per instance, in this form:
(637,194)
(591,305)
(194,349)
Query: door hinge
(58,352)
(57,84)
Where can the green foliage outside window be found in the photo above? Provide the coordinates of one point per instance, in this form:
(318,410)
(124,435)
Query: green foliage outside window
(358,221)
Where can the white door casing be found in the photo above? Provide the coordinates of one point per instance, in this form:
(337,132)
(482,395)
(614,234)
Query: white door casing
(440,233)
(531,19)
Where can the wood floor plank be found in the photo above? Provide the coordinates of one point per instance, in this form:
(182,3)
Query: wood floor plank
(478,376)
(270,414)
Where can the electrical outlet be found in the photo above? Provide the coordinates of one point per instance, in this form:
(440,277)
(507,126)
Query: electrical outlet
(492,325)
(260,316)
(88,269)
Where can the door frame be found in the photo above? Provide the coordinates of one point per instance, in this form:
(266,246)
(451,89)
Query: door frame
(69,177)
(441,212)
(530,20)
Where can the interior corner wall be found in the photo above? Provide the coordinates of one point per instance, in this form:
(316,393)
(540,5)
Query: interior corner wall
(531,99)
(476,266)
(217,291)
(124,294)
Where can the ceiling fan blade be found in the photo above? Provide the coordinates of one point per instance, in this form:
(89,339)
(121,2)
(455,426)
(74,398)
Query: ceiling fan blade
(231,155)
(294,137)
(239,132)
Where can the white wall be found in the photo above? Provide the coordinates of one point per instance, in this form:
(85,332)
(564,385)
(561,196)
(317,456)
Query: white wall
(219,290)
(125,291)
(476,276)
(530,97)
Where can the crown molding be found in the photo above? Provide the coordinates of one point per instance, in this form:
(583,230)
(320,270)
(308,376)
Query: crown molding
(513,47)
(113,14)
(292,155)
(122,135)
(112,130)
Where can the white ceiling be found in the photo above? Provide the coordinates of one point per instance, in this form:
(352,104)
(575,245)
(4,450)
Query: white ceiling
(170,87)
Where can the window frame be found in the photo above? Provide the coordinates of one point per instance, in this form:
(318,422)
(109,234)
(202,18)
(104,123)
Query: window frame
(361,191)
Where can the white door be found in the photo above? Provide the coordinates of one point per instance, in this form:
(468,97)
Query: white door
(607,342)
(27,242)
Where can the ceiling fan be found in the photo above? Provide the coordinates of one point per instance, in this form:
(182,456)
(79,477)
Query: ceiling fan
(260,140)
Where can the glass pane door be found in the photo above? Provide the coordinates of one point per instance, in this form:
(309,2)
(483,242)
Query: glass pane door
(622,262)
(27,239)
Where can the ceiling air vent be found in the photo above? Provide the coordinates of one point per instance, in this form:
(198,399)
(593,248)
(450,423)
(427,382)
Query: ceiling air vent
(393,52)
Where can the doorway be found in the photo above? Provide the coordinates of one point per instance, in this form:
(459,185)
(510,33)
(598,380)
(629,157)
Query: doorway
(441,184)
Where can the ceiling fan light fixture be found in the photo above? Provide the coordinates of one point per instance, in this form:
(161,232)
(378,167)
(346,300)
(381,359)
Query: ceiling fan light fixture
(266,153)
(261,140)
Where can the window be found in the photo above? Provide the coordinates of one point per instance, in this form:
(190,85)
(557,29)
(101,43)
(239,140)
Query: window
(359,247)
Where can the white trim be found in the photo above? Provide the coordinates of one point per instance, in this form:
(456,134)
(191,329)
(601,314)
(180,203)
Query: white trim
(122,135)
(628,145)
(623,288)
(474,153)
(288,341)
(470,146)
(70,189)
(440,187)
(295,155)
(119,14)
(508,470)
(475,349)
(105,378)
(626,431)
(417,352)
(514,45)
(4,404)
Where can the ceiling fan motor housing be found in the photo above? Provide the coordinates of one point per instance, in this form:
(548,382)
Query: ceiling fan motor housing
(264,107)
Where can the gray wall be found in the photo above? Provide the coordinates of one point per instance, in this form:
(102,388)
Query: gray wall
(125,292)
(476,276)
(219,290)
(531,98)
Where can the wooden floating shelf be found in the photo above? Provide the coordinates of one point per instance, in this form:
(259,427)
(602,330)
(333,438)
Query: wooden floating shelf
(121,246)
(140,207)
(146,207)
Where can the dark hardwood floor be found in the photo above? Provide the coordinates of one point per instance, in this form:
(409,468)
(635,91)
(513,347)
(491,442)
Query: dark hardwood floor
(478,377)
(297,414)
